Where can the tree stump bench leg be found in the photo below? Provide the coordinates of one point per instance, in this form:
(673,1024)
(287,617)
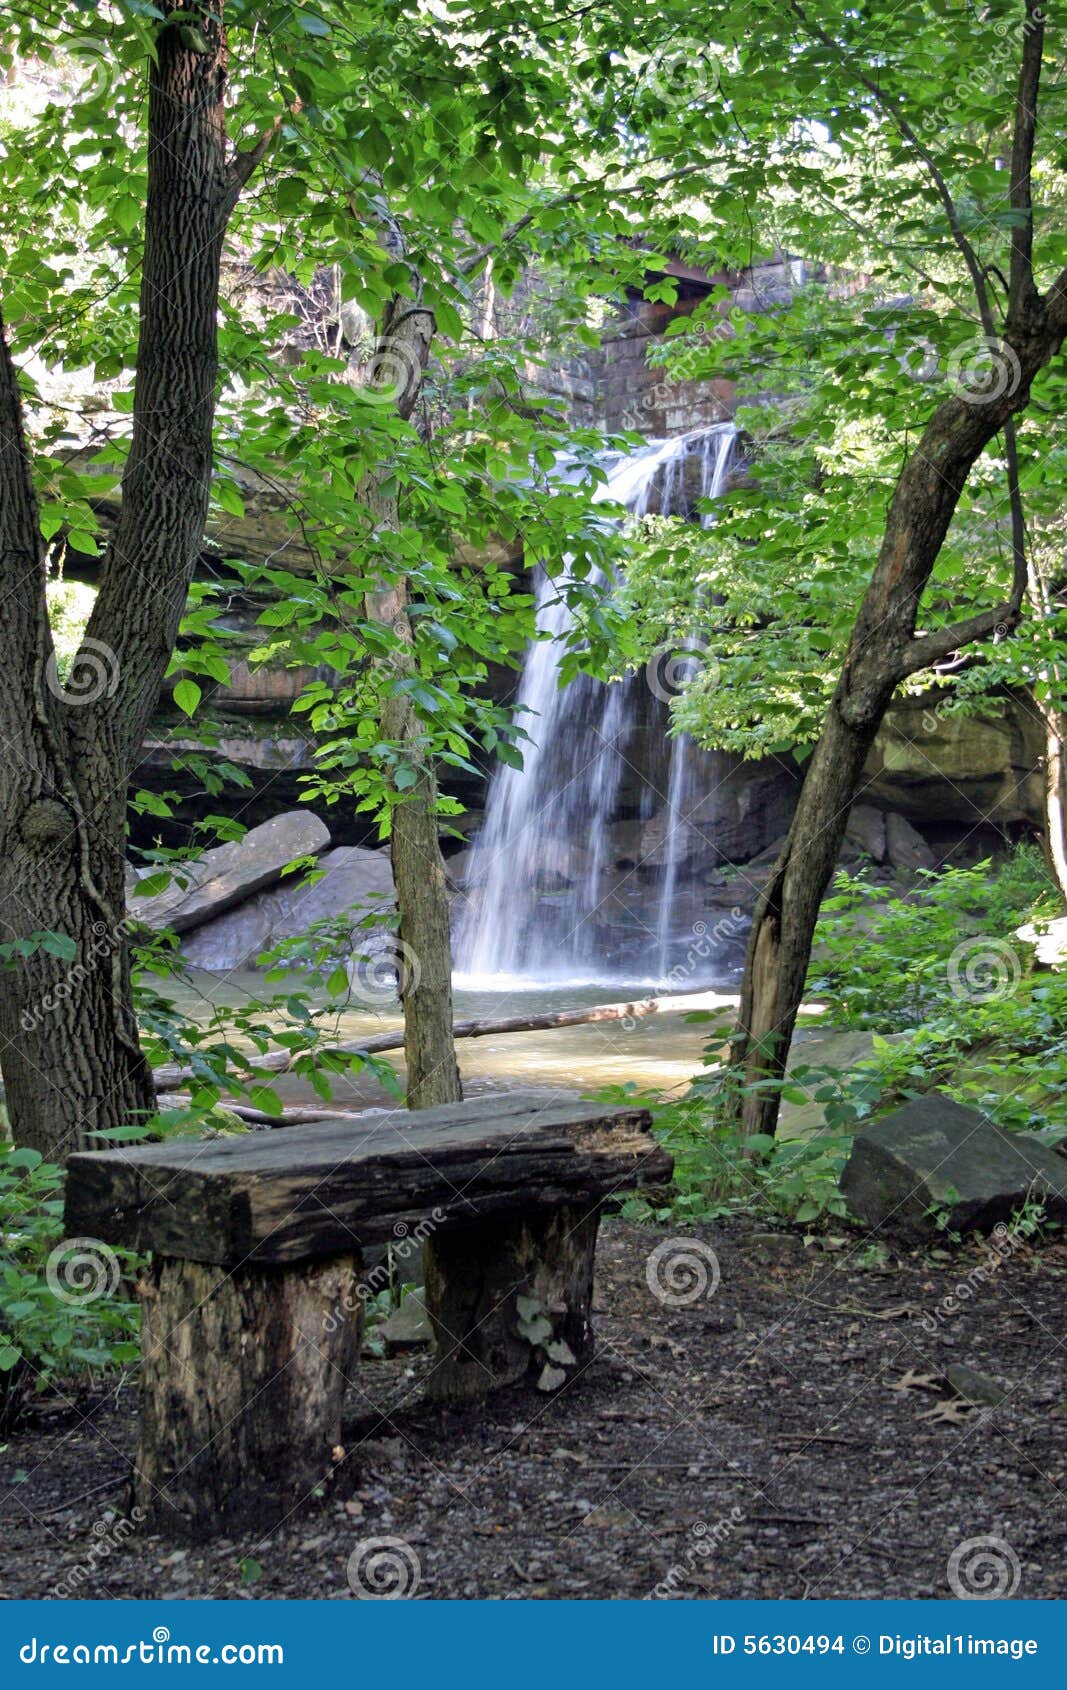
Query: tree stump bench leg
(510,1299)
(243,1376)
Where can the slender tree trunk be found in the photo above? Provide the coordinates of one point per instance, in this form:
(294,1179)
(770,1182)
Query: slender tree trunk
(71,1060)
(424,961)
(425,946)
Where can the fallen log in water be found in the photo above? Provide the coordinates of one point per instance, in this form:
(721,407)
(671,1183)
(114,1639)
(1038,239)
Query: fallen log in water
(170,1078)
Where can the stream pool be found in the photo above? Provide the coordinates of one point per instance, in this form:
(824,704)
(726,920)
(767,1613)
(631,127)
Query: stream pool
(658,1052)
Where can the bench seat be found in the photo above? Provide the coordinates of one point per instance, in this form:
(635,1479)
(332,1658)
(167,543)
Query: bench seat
(252,1308)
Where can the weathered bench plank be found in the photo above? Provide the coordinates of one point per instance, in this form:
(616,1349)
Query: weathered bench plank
(321,1189)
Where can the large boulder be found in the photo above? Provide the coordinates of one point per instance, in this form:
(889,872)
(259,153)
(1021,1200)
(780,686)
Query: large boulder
(229,874)
(935,1155)
(866,831)
(354,883)
(905,846)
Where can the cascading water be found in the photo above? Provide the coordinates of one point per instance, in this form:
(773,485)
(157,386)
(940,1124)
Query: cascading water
(539,865)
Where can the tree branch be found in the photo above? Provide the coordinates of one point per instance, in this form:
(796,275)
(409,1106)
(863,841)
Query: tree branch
(927,649)
(244,164)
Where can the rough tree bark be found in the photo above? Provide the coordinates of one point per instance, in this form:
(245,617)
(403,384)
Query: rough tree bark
(424,960)
(71,1060)
(884,647)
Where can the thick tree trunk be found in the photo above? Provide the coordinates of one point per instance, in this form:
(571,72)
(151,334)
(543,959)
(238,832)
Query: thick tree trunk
(71,1061)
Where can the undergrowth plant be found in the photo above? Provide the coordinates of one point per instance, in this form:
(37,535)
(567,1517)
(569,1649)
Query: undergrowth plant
(994,1038)
(51,1333)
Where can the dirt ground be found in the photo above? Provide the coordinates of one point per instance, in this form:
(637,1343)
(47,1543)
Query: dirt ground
(754,1442)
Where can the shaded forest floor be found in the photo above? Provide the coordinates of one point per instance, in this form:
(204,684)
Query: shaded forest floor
(747,1444)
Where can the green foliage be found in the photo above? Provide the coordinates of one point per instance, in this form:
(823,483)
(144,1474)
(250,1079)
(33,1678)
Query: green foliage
(884,960)
(719,1172)
(992,1036)
(48,1339)
(945,969)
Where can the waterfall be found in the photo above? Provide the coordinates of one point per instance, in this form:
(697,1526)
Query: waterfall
(541,862)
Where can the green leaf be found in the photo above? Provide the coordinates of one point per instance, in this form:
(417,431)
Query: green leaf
(187,696)
(59,945)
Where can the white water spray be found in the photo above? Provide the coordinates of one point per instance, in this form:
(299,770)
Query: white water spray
(539,864)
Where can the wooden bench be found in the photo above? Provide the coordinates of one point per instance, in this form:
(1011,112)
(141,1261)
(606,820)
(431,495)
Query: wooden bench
(252,1308)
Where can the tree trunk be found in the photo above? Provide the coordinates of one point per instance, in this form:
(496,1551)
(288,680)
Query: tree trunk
(424,962)
(883,650)
(71,1061)
(783,925)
